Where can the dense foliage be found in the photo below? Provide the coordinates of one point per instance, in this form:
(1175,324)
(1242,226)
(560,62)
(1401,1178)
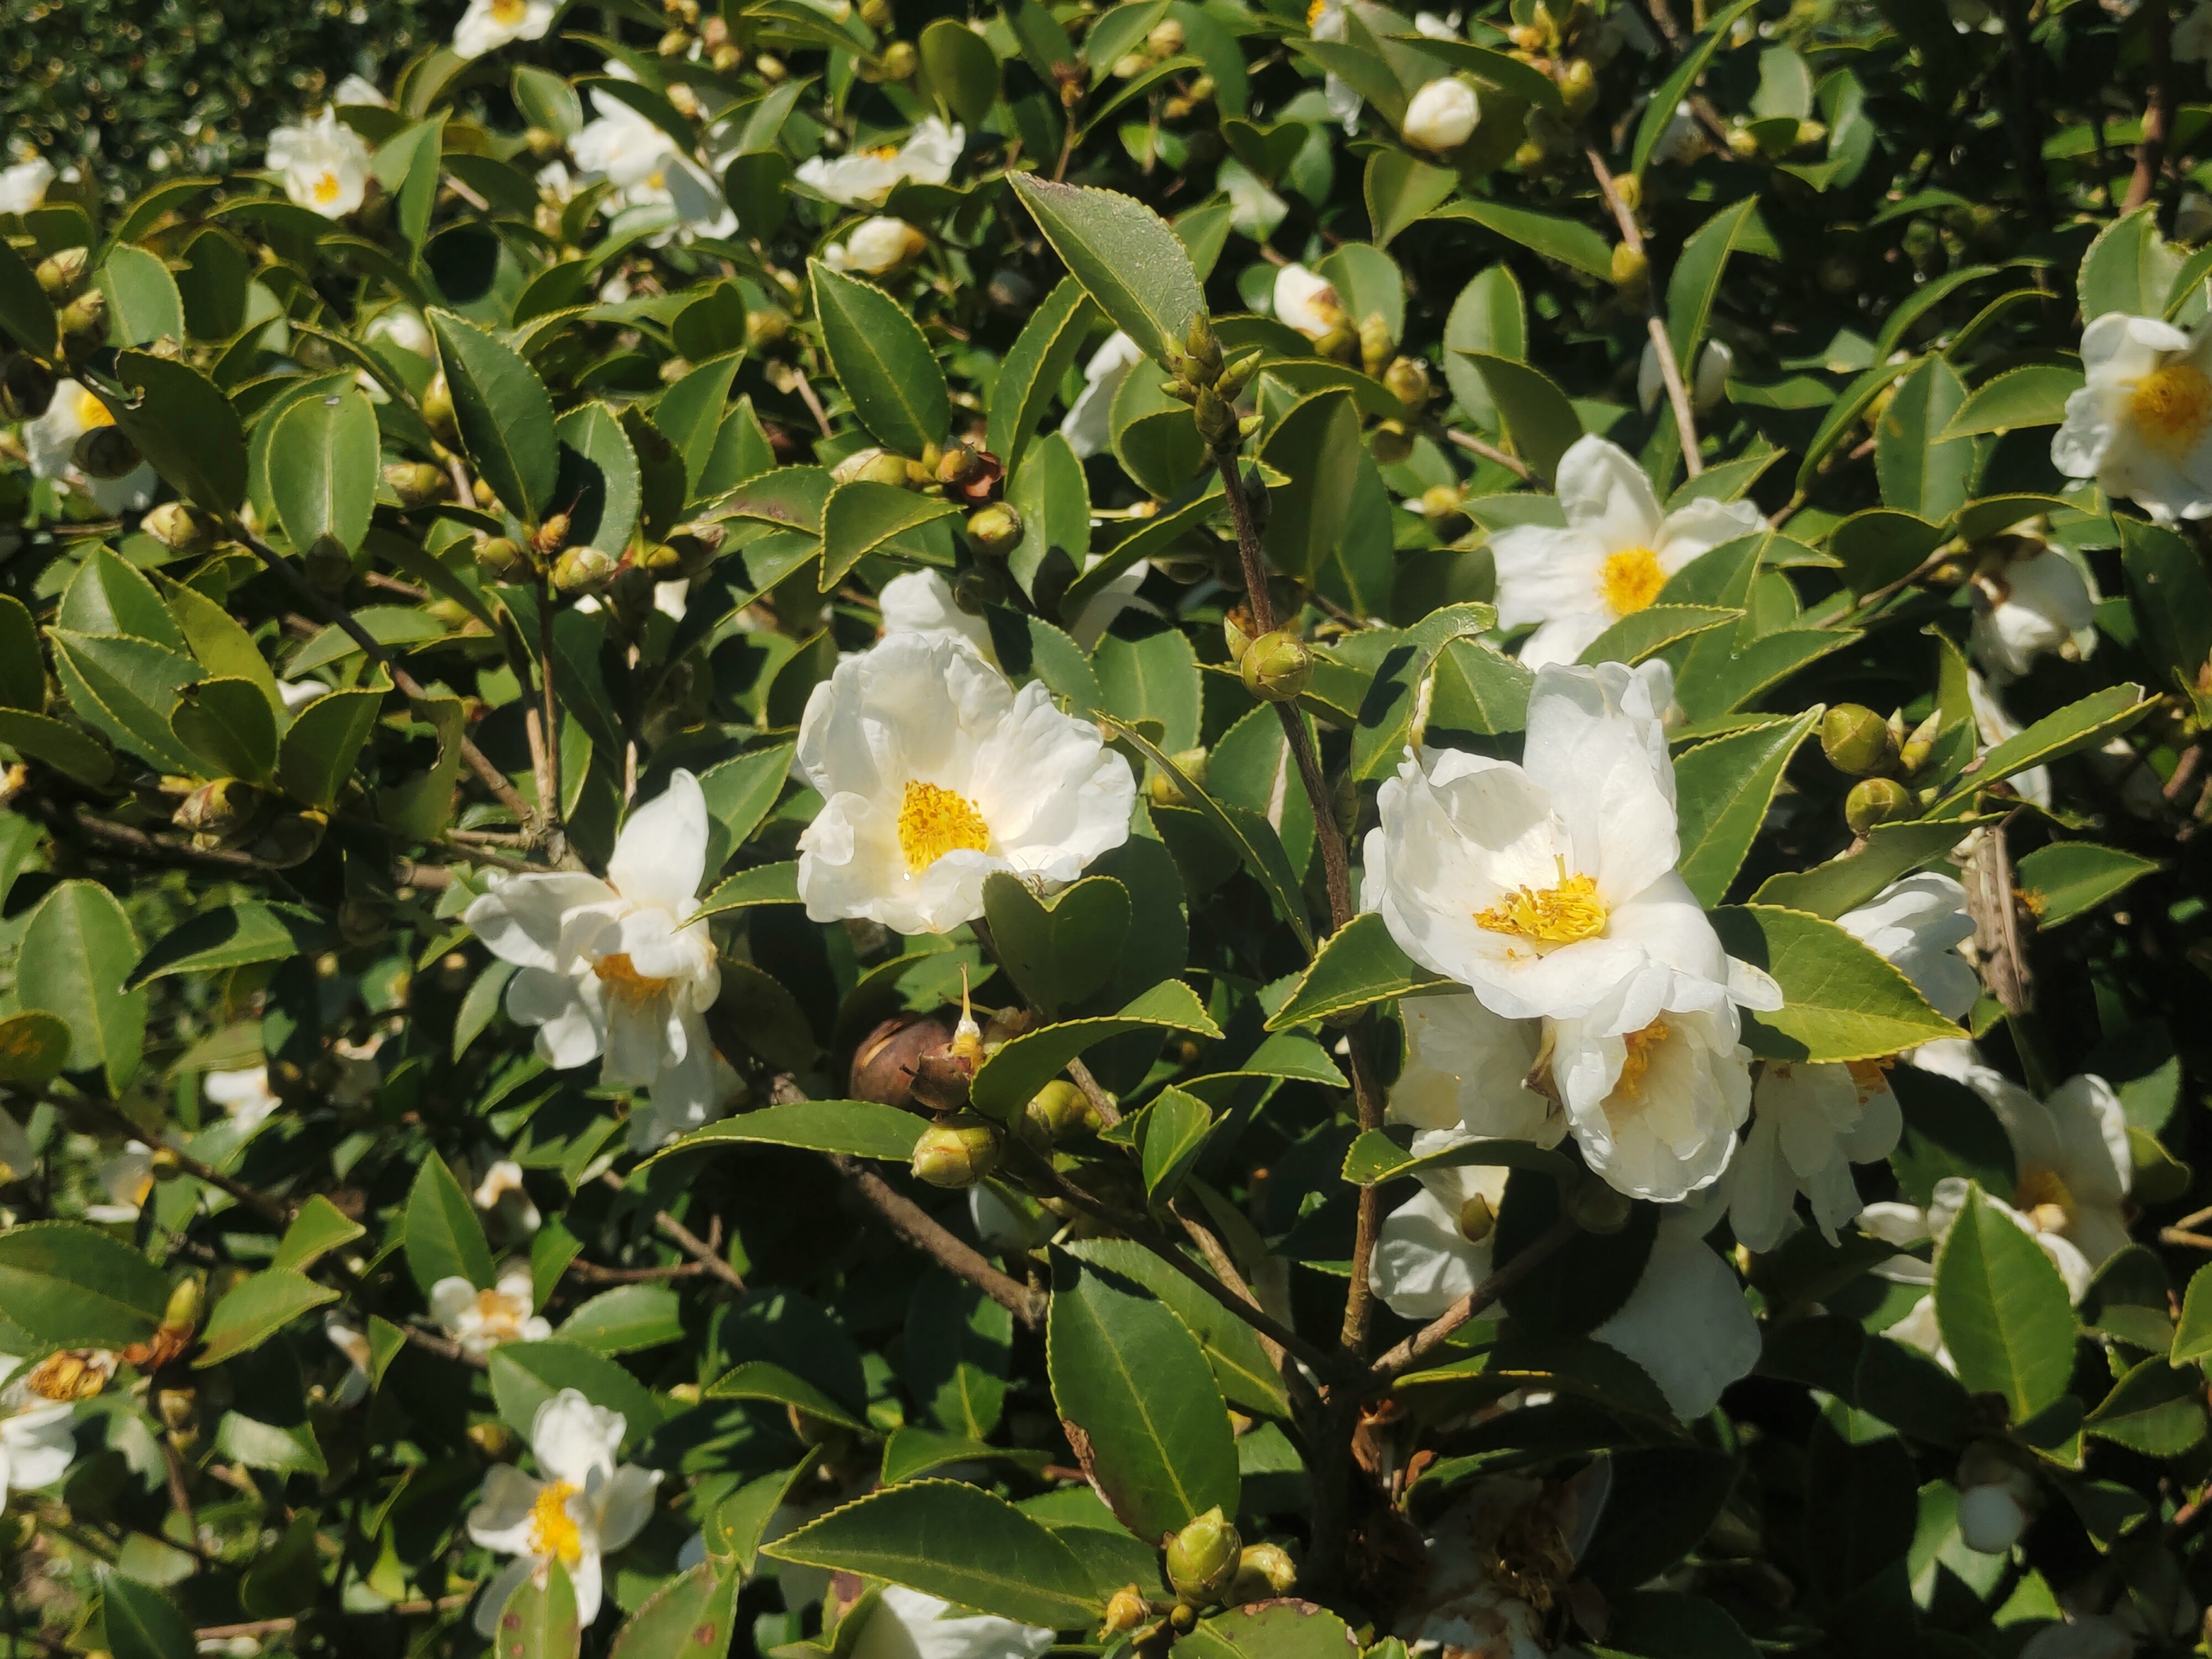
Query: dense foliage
(1178,827)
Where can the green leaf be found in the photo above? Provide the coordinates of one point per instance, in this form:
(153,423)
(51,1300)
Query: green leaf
(1569,242)
(1041,353)
(1150,676)
(2077,726)
(125,688)
(315,761)
(1381,1155)
(1676,86)
(2170,596)
(1356,967)
(954,1542)
(959,1344)
(232,936)
(961,72)
(864,518)
(443,1238)
(22,682)
(1125,255)
(316,1230)
(764,884)
(1920,473)
(1697,279)
(1241,1367)
(34,1047)
(540,1620)
(1842,1000)
(2129,269)
(1401,191)
(759,1379)
(140,1622)
(406,164)
(184,428)
(2192,1337)
(1005,1082)
(525,1374)
(690,414)
(882,361)
(108,595)
(2003,1310)
(1724,789)
(66,748)
(1058,951)
(597,481)
(1146,1421)
(1316,443)
(323,465)
(857,1128)
(1671,1624)
(255,1310)
(504,413)
(626,1320)
(1882,545)
(25,310)
(1489,318)
(142,301)
(2156,1409)
(2018,397)
(1843,413)
(1643,633)
(1271,1630)
(1170,1135)
(1845,884)
(694,1617)
(229,724)
(2067,878)
(84,944)
(64,1284)
(1539,418)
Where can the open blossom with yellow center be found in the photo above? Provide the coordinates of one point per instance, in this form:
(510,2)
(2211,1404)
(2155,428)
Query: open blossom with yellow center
(870,175)
(51,441)
(616,969)
(2141,426)
(481,1319)
(324,164)
(1615,553)
(934,772)
(489,25)
(38,1408)
(649,171)
(580,1505)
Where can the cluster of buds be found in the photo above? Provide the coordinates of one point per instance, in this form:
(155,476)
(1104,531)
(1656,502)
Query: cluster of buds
(962,474)
(1885,756)
(921,1065)
(1166,41)
(897,61)
(1211,385)
(182,528)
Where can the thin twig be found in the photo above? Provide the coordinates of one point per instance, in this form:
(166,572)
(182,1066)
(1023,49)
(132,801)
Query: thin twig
(701,1253)
(2157,110)
(915,1224)
(1417,1347)
(1670,371)
(549,780)
(806,388)
(280,1626)
(124,839)
(1475,445)
(1103,1103)
(592,1273)
(269,1209)
(1224,1269)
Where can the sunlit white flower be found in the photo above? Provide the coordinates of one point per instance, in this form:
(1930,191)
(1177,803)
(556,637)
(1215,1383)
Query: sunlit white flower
(1996,1499)
(906,1624)
(23,186)
(1916,924)
(934,772)
(921,602)
(1682,140)
(647,168)
(1086,426)
(481,1320)
(877,246)
(1809,1125)
(404,327)
(1466,1072)
(127,1178)
(1435,1248)
(1509,1543)
(325,165)
(1616,553)
(870,175)
(1707,387)
(2028,608)
(360,90)
(2142,426)
(1254,210)
(361,1358)
(579,1505)
(488,25)
(1441,115)
(1325,22)
(1306,302)
(662,1117)
(51,441)
(1994,724)
(616,968)
(1687,1323)
(501,1191)
(244,1095)
(1445,28)
(1654,1103)
(38,1406)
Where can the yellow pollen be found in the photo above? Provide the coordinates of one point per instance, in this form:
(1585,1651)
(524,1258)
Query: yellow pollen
(883,153)
(553,1530)
(620,975)
(1632,579)
(65,1375)
(1315,14)
(2171,407)
(1637,1060)
(933,821)
(91,412)
(507,13)
(1870,1075)
(2043,1198)
(656,180)
(1558,914)
(326,189)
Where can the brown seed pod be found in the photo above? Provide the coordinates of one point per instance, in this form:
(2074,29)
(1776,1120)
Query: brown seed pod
(884,1063)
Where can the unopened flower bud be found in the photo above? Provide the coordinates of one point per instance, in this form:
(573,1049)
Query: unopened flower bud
(61,274)
(290,838)
(1376,346)
(728,57)
(771,70)
(583,570)
(218,810)
(362,920)
(1876,801)
(958,1153)
(1277,667)
(1390,443)
(104,452)
(996,531)
(1741,144)
(1577,86)
(437,406)
(1055,1111)
(181,527)
(543,143)
(1857,741)
(416,484)
(503,559)
(183,1311)
(1477,1220)
(1913,753)
(1202,1559)
(1340,342)
(1408,380)
(1164,788)
(1125,1610)
(884,1063)
(1263,1571)
(900,61)
(675,43)
(552,536)
(1594,1207)
(1629,187)
(1166,39)
(84,319)
(1631,271)
(1441,116)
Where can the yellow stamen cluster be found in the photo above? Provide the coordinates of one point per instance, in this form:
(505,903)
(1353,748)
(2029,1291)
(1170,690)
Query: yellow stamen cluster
(91,412)
(1631,580)
(933,821)
(2043,1198)
(553,1530)
(507,13)
(620,975)
(69,1376)
(1558,914)
(1637,1060)
(1869,1075)
(2171,407)
(326,188)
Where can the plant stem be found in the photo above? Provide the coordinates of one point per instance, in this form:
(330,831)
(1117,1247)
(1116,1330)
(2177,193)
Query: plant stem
(703,1254)
(2158,109)
(549,776)
(913,1224)
(269,1209)
(1670,371)
(1417,1347)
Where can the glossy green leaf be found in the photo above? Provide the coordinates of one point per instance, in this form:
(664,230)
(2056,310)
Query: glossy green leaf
(85,946)
(318,1229)
(67,748)
(692,1617)
(1697,279)
(597,480)
(2068,879)
(2128,268)
(443,1238)
(125,688)
(626,1320)
(1567,241)
(2003,1310)
(229,724)
(1401,191)
(1271,1630)
(2171,596)
(2078,725)
(525,1374)
(25,310)
(34,1046)
(882,361)
(1061,949)
(540,1619)
(1919,472)
(2018,397)
(959,70)
(65,1284)
(760,1379)
(1316,444)
(254,1310)
(863,518)
(1490,317)
(140,1622)
(1841,1000)
(185,429)
(857,1128)
(317,756)
(233,936)
(1124,254)
(1356,967)
(1677,85)
(1006,1081)
(504,413)
(1539,419)
(144,304)
(1723,790)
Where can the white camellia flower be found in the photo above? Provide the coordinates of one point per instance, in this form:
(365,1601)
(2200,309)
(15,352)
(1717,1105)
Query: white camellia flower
(1086,426)
(127,1178)
(1435,1248)
(1994,724)
(1708,386)
(1686,1322)
(403,326)
(325,165)
(1466,1070)
(935,772)
(353,1344)
(481,1320)
(23,186)
(2029,608)
(1441,116)
(1495,1565)
(1918,924)
(1996,1499)
(2142,426)
(360,90)
(870,175)
(1325,22)
(616,968)
(51,441)
(488,25)
(877,246)
(38,1433)
(1306,302)
(581,1504)
(244,1095)
(503,1192)
(921,602)
(647,169)
(1616,553)
(905,1624)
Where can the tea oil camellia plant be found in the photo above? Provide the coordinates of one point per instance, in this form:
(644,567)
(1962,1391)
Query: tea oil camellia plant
(1172,828)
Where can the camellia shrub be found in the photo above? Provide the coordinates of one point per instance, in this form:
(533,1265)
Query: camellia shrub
(1179,828)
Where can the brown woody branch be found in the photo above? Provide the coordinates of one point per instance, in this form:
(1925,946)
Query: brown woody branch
(1417,1347)
(1670,371)
(913,1224)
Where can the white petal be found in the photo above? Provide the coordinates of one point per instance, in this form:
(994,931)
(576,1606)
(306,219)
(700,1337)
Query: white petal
(661,854)
(1686,1322)
(1605,495)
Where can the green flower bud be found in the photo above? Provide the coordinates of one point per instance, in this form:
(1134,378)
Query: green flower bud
(183,1312)
(552,536)
(290,839)
(61,274)
(1578,87)
(1054,1112)
(1876,801)
(1390,443)
(996,531)
(1477,1220)
(728,57)
(900,61)
(1594,1207)
(583,570)
(1277,667)
(958,1153)
(1340,342)
(697,545)
(1237,633)
(1166,39)
(219,810)
(163,1165)
(1913,753)
(501,559)
(1124,1611)
(1631,271)
(1202,1559)
(1204,349)
(1263,1571)
(1239,375)
(1857,741)
(768,326)
(661,562)
(1408,380)
(416,484)
(437,406)
(1377,347)
(181,527)
(362,920)
(1166,790)
(104,452)
(84,319)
